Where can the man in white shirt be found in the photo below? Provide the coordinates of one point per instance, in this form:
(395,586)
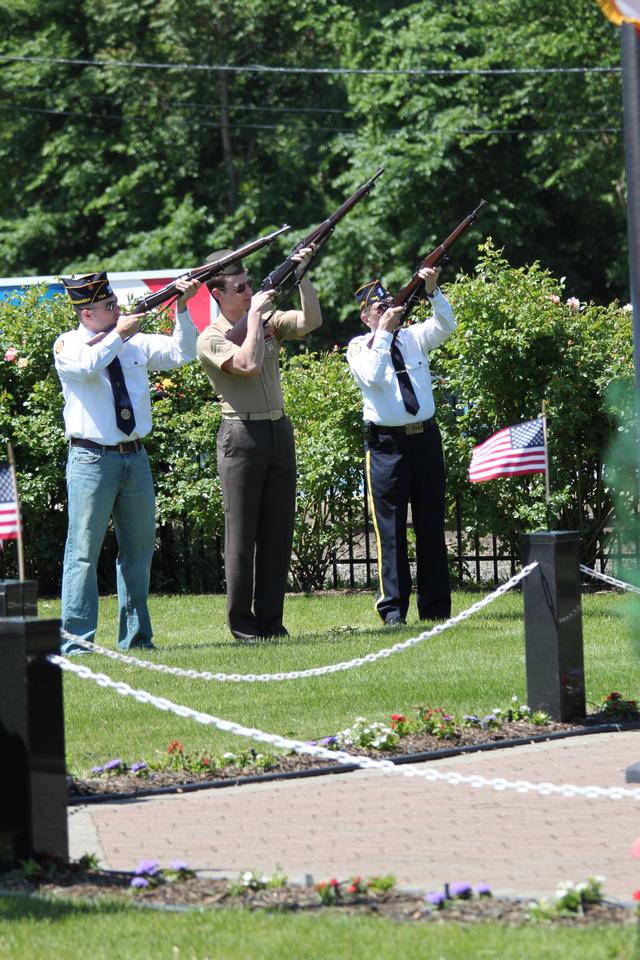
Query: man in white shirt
(403,449)
(103,367)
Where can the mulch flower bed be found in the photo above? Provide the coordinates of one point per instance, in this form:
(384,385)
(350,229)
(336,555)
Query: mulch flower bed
(199,892)
(413,744)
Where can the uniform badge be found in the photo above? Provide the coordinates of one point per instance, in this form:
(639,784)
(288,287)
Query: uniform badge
(125,414)
(59,346)
(355,349)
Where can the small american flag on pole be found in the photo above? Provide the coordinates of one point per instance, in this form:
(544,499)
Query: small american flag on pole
(510,452)
(9,516)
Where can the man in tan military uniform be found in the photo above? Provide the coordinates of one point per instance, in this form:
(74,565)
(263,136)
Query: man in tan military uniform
(256,454)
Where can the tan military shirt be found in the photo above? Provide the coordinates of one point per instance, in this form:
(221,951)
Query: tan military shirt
(240,394)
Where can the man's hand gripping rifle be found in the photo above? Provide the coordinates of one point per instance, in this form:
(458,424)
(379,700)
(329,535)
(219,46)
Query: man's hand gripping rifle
(289,273)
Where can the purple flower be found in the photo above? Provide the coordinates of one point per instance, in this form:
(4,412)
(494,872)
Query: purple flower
(436,898)
(148,867)
(328,741)
(139,765)
(462,890)
(139,882)
(97,769)
(113,764)
(483,890)
(179,865)
(471,718)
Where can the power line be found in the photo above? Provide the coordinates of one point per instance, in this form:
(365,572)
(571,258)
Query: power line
(175,105)
(463,131)
(332,71)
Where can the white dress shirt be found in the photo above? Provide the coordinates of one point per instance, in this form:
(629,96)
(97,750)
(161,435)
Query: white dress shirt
(370,362)
(89,409)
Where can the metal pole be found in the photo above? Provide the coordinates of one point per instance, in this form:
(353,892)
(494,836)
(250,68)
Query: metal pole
(630,52)
(630,49)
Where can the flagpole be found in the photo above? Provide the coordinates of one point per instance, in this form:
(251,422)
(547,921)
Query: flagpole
(12,467)
(547,489)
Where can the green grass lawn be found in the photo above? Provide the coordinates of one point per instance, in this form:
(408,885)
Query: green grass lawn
(31,930)
(473,667)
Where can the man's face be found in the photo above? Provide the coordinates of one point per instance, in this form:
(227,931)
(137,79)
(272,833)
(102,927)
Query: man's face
(371,316)
(101,316)
(236,296)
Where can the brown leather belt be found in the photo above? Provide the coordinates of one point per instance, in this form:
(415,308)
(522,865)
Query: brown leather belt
(129,446)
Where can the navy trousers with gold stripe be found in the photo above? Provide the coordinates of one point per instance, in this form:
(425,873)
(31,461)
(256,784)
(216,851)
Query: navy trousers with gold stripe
(401,470)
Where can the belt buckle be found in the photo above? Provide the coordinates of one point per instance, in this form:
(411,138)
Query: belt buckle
(274,414)
(411,428)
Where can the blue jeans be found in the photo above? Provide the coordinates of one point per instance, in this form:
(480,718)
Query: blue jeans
(101,486)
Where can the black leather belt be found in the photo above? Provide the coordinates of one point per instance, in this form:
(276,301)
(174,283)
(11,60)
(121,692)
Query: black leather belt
(129,446)
(408,429)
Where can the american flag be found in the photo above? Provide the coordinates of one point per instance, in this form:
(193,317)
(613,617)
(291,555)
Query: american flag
(510,452)
(8,505)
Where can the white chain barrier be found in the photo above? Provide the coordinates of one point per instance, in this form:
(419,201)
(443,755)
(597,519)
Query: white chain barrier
(340,756)
(607,579)
(313,671)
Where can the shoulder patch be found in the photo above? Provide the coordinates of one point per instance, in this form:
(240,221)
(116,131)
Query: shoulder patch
(355,348)
(59,346)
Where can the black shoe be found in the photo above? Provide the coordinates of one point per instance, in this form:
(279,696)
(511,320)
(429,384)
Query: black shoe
(278,632)
(395,622)
(143,645)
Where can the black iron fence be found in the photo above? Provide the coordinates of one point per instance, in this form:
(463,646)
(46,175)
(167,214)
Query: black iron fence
(189,559)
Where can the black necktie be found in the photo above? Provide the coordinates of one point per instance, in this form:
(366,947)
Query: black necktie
(125,417)
(407,392)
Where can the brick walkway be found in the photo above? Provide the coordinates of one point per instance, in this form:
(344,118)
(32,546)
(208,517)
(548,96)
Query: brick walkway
(373,823)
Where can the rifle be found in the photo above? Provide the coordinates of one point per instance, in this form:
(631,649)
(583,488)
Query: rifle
(203,273)
(206,271)
(409,293)
(285,272)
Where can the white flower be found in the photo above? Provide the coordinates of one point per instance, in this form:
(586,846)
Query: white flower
(628,308)
(573,303)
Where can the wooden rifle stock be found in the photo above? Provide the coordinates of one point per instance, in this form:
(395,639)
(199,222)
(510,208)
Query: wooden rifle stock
(409,293)
(286,271)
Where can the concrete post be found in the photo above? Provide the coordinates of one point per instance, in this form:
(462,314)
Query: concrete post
(33,798)
(553,624)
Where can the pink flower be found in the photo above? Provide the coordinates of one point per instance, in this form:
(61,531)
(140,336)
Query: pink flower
(635,848)
(11,354)
(573,303)
(554,298)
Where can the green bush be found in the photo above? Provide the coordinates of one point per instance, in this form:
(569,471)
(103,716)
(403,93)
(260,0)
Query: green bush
(519,342)
(325,408)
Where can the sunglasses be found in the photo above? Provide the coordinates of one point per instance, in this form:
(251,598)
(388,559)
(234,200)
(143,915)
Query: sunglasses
(241,287)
